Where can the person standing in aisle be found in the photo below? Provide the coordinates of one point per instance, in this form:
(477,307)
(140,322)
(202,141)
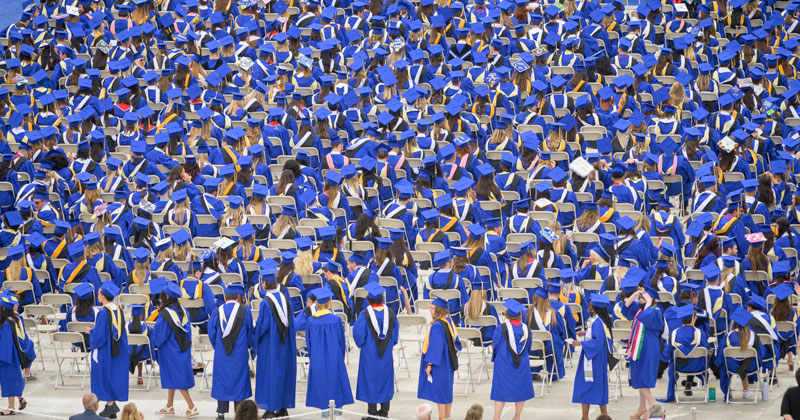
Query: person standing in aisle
(375,333)
(276,349)
(512,380)
(16,352)
(109,343)
(439,360)
(591,377)
(327,373)
(172,337)
(230,330)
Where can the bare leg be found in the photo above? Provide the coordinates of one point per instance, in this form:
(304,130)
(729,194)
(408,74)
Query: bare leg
(518,406)
(745,385)
(448,408)
(498,409)
(603,410)
(648,395)
(584,411)
(170,397)
(11,403)
(188,398)
(442,411)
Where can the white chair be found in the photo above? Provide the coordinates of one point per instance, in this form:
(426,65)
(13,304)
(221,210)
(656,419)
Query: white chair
(409,339)
(65,351)
(49,315)
(698,353)
(468,337)
(203,350)
(143,340)
(739,354)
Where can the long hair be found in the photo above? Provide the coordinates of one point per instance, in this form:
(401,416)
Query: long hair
(170,302)
(758,261)
(541,305)
(474,307)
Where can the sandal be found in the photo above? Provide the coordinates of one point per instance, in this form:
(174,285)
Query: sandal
(166,411)
(7,413)
(140,381)
(22,403)
(638,415)
(193,412)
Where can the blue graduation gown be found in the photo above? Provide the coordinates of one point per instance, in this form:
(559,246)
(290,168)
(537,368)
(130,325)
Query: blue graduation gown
(511,383)
(327,373)
(11,381)
(375,373)
(276,380)
(591,383)
(230,369)
(644,370)
(176,365)
(435,352)
(109,373)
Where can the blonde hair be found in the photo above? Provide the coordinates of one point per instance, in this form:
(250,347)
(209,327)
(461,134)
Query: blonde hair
(304,263)
(541,305)
(283,221)
(233,217)
(130,412)
(182,252)
(140,269)
(474,307)
(15,268)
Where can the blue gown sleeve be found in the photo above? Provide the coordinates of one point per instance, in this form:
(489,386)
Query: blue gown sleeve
(360,331)
(98,337)
(436,339)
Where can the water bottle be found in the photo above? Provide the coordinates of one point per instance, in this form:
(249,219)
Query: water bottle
(712,394)
(764,391)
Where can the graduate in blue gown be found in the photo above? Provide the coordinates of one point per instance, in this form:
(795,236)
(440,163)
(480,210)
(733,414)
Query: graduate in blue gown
(139,355)
(439,360)
(375,333)
(595,360)
(644,349)
(16,352)
(327,373)
(739,336)
(276,350)
(512,380)
(685,338)
(230,329)
(172,337)
(110,354)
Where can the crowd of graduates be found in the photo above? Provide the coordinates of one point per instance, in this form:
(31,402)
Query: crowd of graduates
(266,171)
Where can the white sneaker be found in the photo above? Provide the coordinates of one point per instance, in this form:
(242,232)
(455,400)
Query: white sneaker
(747,394)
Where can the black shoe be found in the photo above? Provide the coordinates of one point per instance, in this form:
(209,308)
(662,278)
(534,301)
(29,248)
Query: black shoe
(282,413)
(220,416)
(110,411)
(267,415)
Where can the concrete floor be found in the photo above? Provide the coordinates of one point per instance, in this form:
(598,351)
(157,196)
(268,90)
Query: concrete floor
(554,404)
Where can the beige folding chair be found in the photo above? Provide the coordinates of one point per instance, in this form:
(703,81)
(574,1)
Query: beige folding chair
(203,350)
(50,317)
(538,358)
(143,340)
(65,351)
(417,322)
(699,352)
(468,337)
(739,354)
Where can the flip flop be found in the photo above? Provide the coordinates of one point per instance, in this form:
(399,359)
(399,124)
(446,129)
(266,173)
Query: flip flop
(22,404)
(7,413)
